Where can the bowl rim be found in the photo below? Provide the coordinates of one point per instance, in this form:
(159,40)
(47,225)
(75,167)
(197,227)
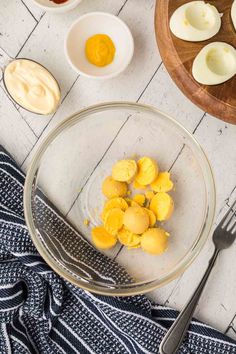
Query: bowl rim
(61,7)
(107,76)
(128,289)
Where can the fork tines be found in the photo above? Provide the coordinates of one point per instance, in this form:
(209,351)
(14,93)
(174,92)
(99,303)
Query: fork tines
(226,222)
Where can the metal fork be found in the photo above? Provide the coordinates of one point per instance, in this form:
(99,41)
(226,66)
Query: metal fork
(223,237)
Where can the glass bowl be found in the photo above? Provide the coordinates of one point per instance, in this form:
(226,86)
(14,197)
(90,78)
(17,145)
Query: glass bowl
(63,189)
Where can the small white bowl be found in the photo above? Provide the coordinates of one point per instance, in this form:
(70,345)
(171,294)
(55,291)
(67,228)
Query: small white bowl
(50,6)
(99,23)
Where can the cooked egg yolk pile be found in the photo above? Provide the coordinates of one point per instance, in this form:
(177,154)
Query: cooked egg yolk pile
(136,219)
(102,239)
(162,205)
(147,171)
(139,199)
(124,170)
(112,188)
(162,183)
(155,241)
(132,219)
(100,50)
(113,220)
(128,238)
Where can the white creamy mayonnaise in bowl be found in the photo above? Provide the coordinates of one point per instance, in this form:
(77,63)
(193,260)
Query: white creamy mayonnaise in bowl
(32,86)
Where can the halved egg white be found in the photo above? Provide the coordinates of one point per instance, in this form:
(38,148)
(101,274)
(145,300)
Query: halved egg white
(215,64)
(195,21)
(233,14)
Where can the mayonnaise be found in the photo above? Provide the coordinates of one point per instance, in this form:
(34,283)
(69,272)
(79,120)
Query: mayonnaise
(32,86)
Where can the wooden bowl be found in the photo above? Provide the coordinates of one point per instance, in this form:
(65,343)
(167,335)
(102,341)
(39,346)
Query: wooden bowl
(178,56)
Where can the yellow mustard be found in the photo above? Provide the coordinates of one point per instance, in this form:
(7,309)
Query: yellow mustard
(100,50)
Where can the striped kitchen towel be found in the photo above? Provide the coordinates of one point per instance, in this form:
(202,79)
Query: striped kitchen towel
(42,313)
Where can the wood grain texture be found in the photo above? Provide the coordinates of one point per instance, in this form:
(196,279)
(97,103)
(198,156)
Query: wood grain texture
(178,56)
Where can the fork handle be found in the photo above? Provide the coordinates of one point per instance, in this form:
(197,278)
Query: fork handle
(175,335)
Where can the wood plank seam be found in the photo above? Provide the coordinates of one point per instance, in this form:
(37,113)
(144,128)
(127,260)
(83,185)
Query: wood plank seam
(36,24)
(14,105)
(29,11)
(149,82)
(9,97)
(38,136)
(199,123)
(232,192)
(4,50)
(231,325)
(125,2)
(17,109)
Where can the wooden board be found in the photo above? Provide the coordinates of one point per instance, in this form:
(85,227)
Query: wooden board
(178,56)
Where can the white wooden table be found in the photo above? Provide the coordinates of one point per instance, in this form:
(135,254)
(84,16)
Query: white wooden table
(26,31)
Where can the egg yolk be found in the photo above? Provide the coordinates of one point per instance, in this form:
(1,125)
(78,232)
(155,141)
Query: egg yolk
(162,205)
(147,171)
(162,183)
(139,199)
(116,203)
(102,239)
(86,222)
(119,203)
(136,185)
(124,170)
(100,50)
(112,188)
(113,220)
(152,217)
(155,241)
(149,195)
(128,238)
(136,219)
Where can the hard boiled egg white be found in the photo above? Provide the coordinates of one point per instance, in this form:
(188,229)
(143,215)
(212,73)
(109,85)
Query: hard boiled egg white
(195,21)
(214,64)
(233,14)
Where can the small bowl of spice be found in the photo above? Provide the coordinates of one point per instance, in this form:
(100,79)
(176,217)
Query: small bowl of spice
(99,45)
(57,6)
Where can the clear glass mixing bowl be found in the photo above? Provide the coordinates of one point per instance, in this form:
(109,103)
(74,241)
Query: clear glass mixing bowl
(63,188)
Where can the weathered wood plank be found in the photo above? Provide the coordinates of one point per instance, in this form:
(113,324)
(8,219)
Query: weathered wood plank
(15,134)
(16,23)
(35,10)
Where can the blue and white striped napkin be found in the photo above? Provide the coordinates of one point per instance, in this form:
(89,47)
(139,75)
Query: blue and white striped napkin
(42,313)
